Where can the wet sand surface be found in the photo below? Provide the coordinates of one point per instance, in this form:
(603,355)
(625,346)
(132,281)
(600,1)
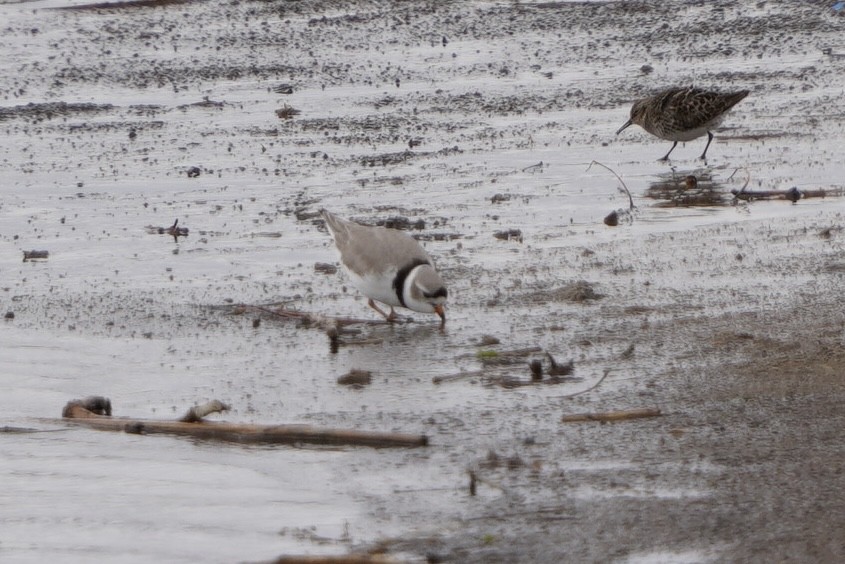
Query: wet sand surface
(472,125)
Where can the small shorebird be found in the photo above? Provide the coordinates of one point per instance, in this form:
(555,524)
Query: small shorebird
(388,266)
(683,114)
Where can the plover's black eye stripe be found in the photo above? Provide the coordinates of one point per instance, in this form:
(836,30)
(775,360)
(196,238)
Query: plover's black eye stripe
(439,293)
(402,275)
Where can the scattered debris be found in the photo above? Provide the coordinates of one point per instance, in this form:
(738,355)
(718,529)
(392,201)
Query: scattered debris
(95,404)
(827,233)
(193,172)
(578,291)
(283,89)
(356,378)
(287,112)
(174,231)
(536,367)
(509,234)
(491,357)
(35,255)
(488,340)
(402,223)
(556,369)
(325,268)
(334,339)
(196,413)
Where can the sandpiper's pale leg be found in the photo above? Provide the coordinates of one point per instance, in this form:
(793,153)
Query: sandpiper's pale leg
(709,139)
(666,156)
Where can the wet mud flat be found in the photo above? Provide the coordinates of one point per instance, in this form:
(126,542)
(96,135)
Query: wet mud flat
(472,126)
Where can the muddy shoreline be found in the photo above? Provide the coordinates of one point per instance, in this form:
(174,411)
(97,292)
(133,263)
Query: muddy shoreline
(474,126)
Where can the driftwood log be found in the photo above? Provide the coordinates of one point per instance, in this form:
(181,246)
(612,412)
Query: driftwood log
(793,194)
(76,412)
(611,415)
(340,559)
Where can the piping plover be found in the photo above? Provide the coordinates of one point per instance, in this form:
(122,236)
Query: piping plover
(388,266)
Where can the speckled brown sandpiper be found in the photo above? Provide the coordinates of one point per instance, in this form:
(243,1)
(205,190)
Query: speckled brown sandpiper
(683,114)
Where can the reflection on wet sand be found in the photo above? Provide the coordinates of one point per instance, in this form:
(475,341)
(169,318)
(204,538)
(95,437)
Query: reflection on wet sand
(688,189)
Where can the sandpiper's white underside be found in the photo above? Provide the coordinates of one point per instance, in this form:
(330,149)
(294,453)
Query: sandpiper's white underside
(689,134)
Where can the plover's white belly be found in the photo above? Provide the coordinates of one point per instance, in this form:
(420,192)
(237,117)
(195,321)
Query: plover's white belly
(376,286)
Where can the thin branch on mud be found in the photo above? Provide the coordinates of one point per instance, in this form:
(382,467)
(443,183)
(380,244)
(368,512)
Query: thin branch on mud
(628,192)
(324,322)
(606,372)
(605,416)
(498,365)
(747,180)
(458,376)
(534,167)
(337,559)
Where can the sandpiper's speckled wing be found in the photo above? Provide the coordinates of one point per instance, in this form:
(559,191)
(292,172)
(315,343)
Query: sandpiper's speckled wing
(367,250)
(692,108)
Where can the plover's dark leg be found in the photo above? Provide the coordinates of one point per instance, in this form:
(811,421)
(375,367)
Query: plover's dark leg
(666,157)
(709,139)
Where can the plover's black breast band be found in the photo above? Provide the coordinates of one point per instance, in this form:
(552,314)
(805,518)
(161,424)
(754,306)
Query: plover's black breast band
(402,275)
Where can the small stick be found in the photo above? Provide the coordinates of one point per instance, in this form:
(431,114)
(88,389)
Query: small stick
(622,415)
(606,372)
(630,199)
(458,376)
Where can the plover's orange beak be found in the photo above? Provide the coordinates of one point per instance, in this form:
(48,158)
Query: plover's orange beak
(627,124)
(441,311)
